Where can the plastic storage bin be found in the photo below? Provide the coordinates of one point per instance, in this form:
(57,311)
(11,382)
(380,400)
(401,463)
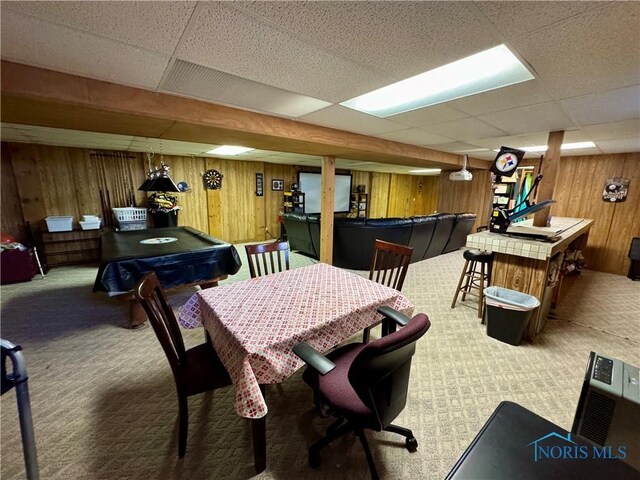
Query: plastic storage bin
(59,224)
(129,214)
(131,218)
(507,313)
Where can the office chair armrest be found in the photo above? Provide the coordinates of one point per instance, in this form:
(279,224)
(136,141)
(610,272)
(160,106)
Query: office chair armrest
(400,318)
(313,358)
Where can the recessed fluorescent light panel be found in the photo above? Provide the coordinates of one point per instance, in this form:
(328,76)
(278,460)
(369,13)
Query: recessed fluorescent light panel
(565,146)
(484,71)
(425,170)
(230,150)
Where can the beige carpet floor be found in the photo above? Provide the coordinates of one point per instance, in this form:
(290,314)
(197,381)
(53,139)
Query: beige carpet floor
(104,403)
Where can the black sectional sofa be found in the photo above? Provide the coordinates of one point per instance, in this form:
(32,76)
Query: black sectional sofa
(353,238)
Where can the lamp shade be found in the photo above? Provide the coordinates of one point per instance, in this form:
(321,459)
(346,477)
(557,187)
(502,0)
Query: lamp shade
(159,184)
(158,180)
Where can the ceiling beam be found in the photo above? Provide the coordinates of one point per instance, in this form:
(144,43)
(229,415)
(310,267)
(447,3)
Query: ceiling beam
(35,96)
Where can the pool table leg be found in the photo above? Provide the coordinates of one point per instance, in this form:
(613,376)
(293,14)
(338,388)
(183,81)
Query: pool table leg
(137,315)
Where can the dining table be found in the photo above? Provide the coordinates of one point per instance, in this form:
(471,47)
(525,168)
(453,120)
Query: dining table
(254,325)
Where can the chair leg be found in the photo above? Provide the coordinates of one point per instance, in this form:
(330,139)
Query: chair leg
(333,432)
(481,297)
(366,335)
(183,414)
(464,271)
(365,446)
(469,281)
(405,432)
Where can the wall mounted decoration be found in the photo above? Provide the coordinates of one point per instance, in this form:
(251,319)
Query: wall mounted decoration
(615,190)
(183,186)
(277,185)
(259,184)
(507,161)
(212,179)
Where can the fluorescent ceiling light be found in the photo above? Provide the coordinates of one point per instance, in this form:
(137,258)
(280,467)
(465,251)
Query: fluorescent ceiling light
(425,170)
(564,146)
(484,71)
(230,150)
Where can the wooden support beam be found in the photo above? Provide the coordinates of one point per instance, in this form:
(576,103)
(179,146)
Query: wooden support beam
(35,96)
(550,170)
(326,209)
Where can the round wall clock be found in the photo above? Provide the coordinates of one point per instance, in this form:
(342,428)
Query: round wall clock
(212,179)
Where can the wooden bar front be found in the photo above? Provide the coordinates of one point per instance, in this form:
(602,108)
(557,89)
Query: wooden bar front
(518,267)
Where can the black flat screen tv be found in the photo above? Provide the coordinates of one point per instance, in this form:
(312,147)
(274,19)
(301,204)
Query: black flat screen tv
(310,183)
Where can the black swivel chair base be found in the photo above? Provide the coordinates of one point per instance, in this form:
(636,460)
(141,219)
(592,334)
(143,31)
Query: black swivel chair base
(342,426)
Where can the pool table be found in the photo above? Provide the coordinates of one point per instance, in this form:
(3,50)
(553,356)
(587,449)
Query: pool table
(180,256)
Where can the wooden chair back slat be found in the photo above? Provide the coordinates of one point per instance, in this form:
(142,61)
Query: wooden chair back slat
(389,263)
(264,257)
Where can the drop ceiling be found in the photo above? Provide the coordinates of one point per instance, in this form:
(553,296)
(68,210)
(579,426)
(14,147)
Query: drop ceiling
(300,59)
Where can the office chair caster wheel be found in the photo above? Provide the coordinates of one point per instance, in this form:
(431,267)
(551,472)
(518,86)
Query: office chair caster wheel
(412,444)
(314,459)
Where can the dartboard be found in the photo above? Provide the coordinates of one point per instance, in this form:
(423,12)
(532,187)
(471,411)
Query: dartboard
(212,179)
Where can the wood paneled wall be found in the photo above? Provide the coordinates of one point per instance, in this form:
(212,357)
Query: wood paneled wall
(393,195)
(41,180)
(11,216)
(66,181)
(467,197)
(579,194)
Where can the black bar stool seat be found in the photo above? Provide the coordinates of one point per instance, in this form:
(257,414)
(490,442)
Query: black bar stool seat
(476,273)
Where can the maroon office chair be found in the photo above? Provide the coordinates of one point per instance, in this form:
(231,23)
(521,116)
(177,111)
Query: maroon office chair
(365,385)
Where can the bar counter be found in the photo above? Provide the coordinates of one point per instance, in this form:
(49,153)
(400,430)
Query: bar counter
(522,264)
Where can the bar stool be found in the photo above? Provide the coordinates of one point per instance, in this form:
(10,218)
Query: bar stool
(474,279)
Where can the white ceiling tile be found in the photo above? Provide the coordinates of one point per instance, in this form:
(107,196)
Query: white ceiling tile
(595,51)
(515,141)
(533,118)
(344,118)
(579,152)
(612,106)
(428,116)
(155,26)
(620,145)
(197,81)
(522,94)
(613,130)
(485,155)
(465,129)
(28,40)
(228,40)
(400,38)
(516,18)
(415,136)
(453,147)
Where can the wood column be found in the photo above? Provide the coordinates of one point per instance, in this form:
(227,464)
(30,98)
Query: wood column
(550,170)
(326,209)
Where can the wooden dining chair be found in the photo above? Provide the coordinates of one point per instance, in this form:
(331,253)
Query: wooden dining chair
(389,265)
(196,370)
(264,257)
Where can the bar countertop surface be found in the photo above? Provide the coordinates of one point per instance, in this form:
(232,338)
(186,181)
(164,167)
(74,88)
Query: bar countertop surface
(571,228)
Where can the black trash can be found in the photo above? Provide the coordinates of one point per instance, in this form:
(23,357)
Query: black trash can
(507,313)
(165,219)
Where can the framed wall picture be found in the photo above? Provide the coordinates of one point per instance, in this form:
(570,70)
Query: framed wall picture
(259,185)
(277,185)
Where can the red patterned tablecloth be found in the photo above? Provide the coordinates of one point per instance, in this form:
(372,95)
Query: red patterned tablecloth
(254,324)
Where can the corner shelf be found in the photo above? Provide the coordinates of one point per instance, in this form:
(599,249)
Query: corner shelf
(360,204)
(293,202)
